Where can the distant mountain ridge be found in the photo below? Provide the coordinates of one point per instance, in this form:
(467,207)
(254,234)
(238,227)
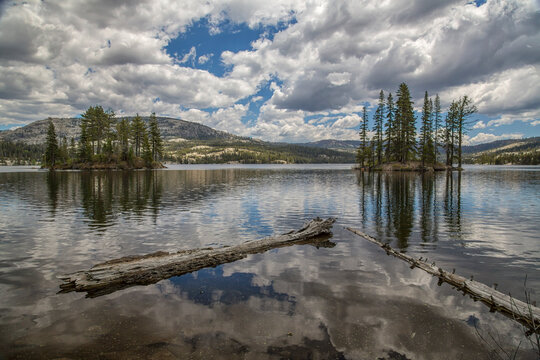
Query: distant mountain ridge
(346,145)
(171,129)
(189,141)
(185,142)
(504,145)
(508,145)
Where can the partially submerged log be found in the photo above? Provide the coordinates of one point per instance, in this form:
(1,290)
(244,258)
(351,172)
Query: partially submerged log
(525,313)
(117,274)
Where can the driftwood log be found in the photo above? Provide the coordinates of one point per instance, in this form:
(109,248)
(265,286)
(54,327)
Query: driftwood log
(118,274)
(525,313)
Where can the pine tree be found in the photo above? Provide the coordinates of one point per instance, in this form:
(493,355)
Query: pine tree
(137,132)
(108,134)
(98,126)
(437,125)
(426,141)
(378,129)
(372,152)
(146,149)
(51,151)
(111,136)
(449,133)
(85,146)
(123,135)
(156,142)
(63,151)
(465,109)
(390,129)
(431,144)
(405,123)
(361,156)
(72,148)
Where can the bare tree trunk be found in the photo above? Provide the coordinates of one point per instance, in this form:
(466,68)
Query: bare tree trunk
(459,143)
(118,274)
(525,313)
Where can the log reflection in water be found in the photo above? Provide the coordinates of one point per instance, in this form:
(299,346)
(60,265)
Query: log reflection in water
(117,274)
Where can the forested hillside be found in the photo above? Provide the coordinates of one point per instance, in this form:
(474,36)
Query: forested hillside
(183,142)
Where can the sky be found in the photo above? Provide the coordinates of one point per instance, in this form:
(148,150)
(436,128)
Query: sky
(280,70)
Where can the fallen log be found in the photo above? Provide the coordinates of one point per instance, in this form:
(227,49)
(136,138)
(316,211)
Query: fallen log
(525,313)
(117,274)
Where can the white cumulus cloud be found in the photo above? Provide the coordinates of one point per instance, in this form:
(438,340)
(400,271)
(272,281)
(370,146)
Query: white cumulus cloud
(479,125)
(484,137)
(328,59)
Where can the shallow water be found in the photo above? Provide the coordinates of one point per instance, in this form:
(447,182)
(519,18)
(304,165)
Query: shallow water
(348,301)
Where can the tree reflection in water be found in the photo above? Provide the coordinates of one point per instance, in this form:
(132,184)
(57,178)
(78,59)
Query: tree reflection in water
(395,201)
(106,195)
(53,184)
(452,204)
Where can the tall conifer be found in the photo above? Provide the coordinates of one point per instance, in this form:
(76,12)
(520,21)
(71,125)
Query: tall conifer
(437,123)
(363,148)
(449,132)
(465,109)
(97,123)
(426,141)
(123,135)
(405,124)
(137,130)
(378,129)
(390,129)
(146,149)
(156,143)
(51,151)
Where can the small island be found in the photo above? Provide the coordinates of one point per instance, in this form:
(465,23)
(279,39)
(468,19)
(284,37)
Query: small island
(395,145)
(106,144)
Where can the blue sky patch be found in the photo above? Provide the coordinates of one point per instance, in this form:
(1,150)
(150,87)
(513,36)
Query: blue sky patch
(479,2)
(200,48)
(255,102)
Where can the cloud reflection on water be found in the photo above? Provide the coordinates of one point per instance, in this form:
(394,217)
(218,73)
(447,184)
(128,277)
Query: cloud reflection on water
(349,300)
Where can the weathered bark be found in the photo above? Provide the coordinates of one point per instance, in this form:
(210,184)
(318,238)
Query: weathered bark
(526,314)
(117,274)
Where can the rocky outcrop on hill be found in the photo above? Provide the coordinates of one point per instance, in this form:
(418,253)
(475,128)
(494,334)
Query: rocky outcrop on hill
(36,132)
(171,129)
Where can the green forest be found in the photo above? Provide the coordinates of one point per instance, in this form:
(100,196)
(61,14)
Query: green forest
(516,158)
(395,139)
(106,142)
(252,152)
(18,153)
(392,142)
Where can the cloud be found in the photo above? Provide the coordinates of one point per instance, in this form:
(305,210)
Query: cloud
(257,12)
(327,59)
(189,57)
(508,119)
(349,121)
(479,125)
(276,124)
(380,50)
(484,138)
(203,59)
(512,93)
(338,79)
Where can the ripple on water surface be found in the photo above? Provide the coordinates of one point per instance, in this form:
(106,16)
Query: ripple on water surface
(346,299)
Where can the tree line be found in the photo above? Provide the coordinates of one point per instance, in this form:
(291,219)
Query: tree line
(515,158)
(19,153)
(395,137)
(223,151)
(105,139)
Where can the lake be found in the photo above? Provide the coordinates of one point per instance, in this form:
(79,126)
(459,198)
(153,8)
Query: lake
(347,301)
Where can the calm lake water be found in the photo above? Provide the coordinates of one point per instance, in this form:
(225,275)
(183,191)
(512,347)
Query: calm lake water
(348,301)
